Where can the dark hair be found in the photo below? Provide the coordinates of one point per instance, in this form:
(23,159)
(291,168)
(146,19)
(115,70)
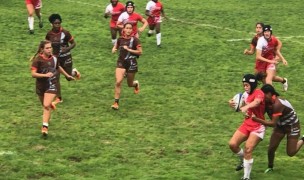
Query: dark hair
(130,3)
(259,23)
(267,88)
(53,17)
(41,46)
(127,24)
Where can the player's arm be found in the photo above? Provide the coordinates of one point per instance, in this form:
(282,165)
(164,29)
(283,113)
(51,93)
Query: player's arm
(107,13)
(252,104)
(279,56)
(145,24)
(35,74)
(163,12)
(62,71)
(250,51)
(261,58)
(270,123)
(137,51)
(70,47)
(147,13)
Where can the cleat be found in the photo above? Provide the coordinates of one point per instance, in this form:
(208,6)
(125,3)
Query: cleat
(285,85)
(115,106)
(302,138)
(268,170)
(44,131)
(31,31)
(77,73)
(40,24)
(149,34)
(136,88)
(240,166)
(245,178)
(159,46)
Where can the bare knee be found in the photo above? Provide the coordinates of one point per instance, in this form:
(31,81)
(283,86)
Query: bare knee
(291,153)
(233,146)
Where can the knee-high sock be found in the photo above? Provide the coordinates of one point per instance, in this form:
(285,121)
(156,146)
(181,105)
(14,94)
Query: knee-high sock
(158,38)
(31,22)
(247,168)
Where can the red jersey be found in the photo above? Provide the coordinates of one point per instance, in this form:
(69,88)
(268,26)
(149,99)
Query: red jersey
(154,8)
(115,12)
(268,47)
(132,19)
(257,111)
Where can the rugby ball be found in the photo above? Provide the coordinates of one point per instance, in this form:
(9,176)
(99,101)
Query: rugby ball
(238,99)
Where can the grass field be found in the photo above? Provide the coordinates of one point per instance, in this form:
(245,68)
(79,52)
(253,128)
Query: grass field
(178,127)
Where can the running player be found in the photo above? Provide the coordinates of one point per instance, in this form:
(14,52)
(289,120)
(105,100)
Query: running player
(31,6)
(62,43)
(285,121)
(250,131)
(114,10)
(268,54)
(154,10)
(45,69)
(129,48)
(129,16)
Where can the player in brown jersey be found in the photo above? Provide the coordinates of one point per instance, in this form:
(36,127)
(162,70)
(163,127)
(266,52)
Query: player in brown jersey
(45,69)
(129,49)
(285,121)
(33,6)
(62,43)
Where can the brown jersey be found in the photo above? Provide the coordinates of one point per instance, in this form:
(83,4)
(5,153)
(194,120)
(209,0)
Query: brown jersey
(43,66)
(59,39)
(126,59)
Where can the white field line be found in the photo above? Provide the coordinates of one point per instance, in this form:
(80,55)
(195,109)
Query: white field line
(6,153)
(202,25)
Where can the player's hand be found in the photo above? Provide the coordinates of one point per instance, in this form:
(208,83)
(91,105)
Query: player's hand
(70,78)
(141,29)
(114,50)
(231,103)
(246,51)
(49,74)
(126,47)
(284,62)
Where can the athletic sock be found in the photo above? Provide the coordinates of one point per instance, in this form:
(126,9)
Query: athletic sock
(116,100)
(247,168)
(284,81)
(158,38)
(45,125)
(114,41)
(31,22)
(240,154)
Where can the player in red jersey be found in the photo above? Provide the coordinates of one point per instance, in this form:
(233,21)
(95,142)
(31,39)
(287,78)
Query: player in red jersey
(250,131)
(268,53)
(129,16)
(45,68)
(285,121)
(129,49)
(31,6)
(114,10)
(154,10)
(254,41)
(62,43)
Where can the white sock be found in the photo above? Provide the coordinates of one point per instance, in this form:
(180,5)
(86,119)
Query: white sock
(114,41)
(158,38)
(247,168)
(31,22)
(45,124)
(151,32)
(240,154)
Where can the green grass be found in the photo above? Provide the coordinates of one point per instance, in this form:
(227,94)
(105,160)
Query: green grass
(178,127)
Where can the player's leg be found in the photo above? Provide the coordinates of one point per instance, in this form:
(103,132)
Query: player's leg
(281,80)
(119,75)
(114,32)
(252,141)
(271,73)
(47,101)
(293,143)
(275,140)
(234,144)
(30,11)
(38,14)
(158,34)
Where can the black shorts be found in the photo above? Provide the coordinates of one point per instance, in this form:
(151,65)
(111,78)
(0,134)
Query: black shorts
(130,65)
(293,130)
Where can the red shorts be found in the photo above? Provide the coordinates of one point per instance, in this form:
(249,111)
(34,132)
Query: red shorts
(260,66)
(36,3)
(113,24)
(257,130)
(154,20)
